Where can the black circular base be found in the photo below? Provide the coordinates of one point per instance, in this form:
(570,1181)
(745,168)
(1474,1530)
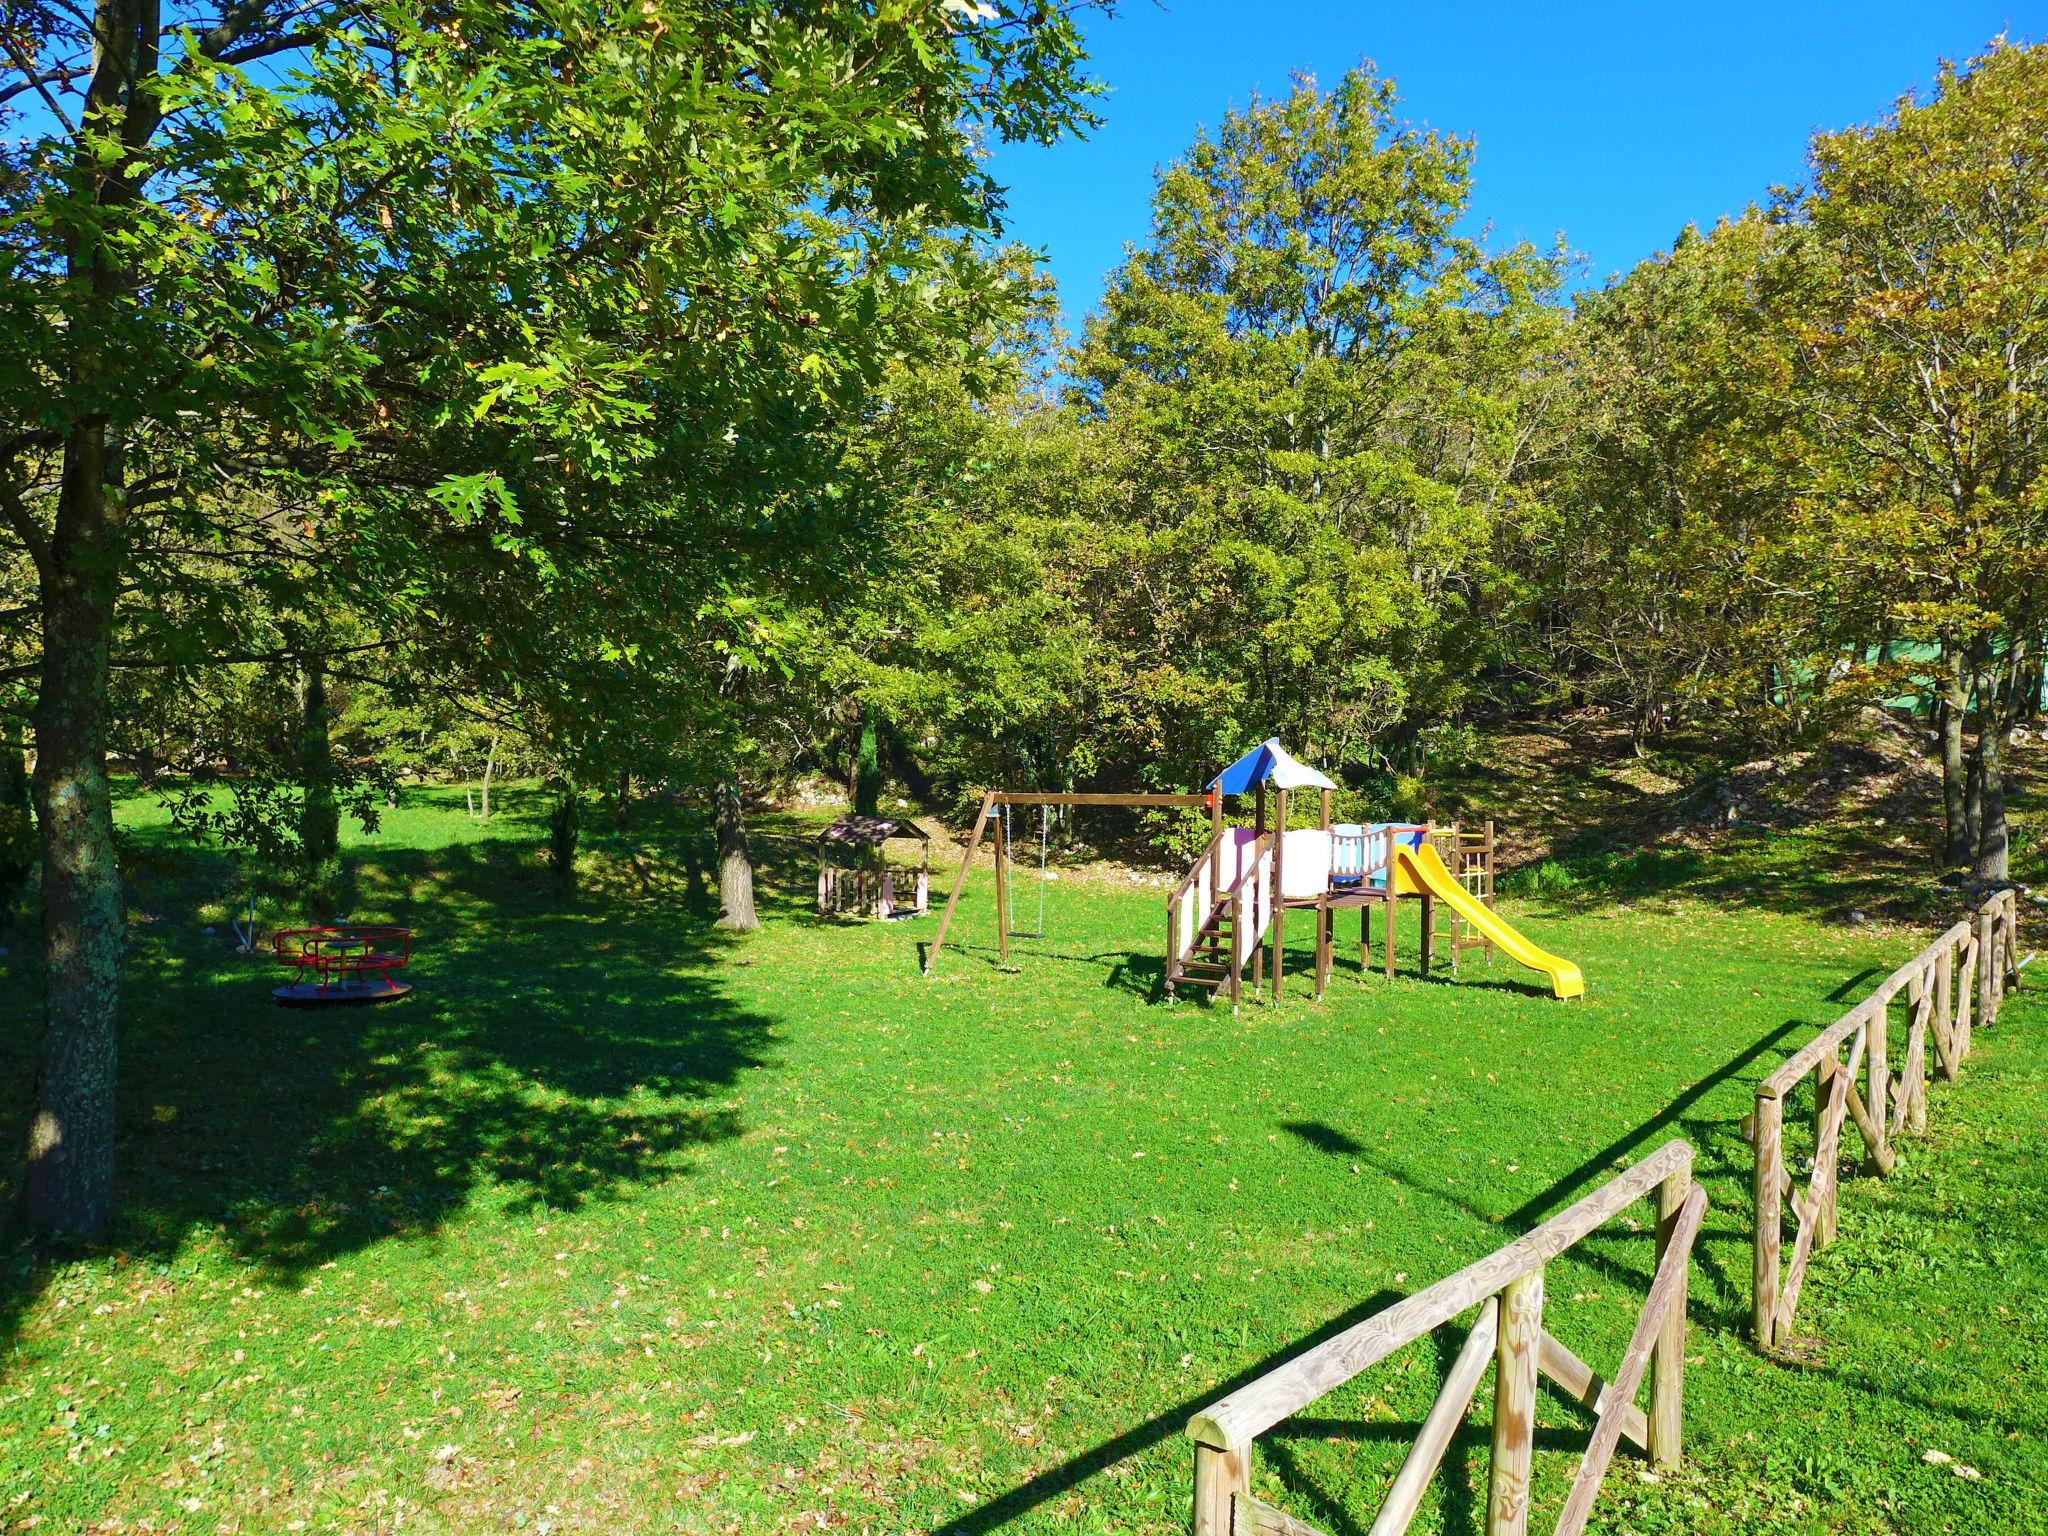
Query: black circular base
(310,994)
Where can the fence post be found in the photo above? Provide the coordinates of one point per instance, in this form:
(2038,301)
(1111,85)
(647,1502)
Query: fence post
(1877,1073)
(1828,1079)
(1172,944)
(1987,963)
(1667,1363)
(1770,1168)
(1945,1011)
(1514,1405)
(1220,1476)
(1915,1087)
(2003,927)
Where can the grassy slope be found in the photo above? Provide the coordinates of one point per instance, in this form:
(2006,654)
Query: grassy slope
(618,1225)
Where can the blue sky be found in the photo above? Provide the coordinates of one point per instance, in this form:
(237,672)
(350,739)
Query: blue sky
(1613,124)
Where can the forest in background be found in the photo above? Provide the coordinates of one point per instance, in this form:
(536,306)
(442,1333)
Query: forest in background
(651,399)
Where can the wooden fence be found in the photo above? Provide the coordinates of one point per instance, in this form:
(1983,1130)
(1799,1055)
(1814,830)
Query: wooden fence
(1963,971)
(1507,1287)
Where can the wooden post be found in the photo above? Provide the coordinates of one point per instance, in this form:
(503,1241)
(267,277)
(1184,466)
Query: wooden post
(1220,1476)
(1915,1085)
(886,908)
(1828,1080)
(1877,1076)
(1456,864)
(1236,952)
(1428,931)
(1945,1008)
(1172,947)
(946,918)
(1215,862)
(1987,963)
(1514,1405)
(1769,1197)
(1324,920)
(1966,992)
(1446,1416)
(1002,845)
(1667,1360)
(1364,937)
(1392,902)
(1279,904)
(1487,881)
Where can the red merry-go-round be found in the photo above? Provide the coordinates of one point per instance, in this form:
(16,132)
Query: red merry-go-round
(343,963)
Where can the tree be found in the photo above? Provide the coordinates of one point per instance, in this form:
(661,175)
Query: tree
(1652,574)
(735,860)
(867,768)
(1316,393)
(1927,378)
(407,302)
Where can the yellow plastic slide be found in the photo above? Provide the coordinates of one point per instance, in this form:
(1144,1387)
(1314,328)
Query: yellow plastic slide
(1419,871)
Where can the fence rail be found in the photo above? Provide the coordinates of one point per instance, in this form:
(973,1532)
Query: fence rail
(1965,971)
(1507,1288)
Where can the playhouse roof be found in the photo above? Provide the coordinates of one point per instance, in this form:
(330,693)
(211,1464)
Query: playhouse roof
(1269,762)
(871,831)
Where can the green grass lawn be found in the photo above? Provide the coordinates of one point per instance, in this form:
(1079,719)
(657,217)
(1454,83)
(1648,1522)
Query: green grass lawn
(622,1225)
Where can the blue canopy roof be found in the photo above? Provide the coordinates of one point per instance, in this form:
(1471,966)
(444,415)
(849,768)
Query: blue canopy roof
(1268,761)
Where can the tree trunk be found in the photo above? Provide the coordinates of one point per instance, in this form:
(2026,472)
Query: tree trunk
(565,828)
(319,815)
(867,769)
(622,807)
(490,769)
(2000,706)
(1954,708)
(1992,836)
(1973,805)
(17,820)
(735,863)
(69,1184)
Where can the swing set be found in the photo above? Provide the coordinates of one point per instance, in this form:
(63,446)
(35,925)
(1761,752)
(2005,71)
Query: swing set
(996,809)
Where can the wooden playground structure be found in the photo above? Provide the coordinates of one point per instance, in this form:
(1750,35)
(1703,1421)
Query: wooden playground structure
(856,877)
(1231,907)
(1201,954)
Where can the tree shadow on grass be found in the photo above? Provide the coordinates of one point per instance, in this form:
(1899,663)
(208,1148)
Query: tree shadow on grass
(553,1053)
(1167,1424)
(1461,1511)
(1719,1160)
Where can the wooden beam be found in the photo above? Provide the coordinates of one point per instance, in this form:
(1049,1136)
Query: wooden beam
(1445,1415)
(1031,797)
(1585,1385)
(1002,847)
(946,918)
(1667,1358)
(1770,1216)
(1514,1405)
(1255,1517)
(1221,1478)
(1667,1290)
(1279,906)
(1258,1405)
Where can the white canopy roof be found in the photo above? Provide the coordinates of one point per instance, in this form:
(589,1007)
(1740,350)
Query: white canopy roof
(1269,763)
